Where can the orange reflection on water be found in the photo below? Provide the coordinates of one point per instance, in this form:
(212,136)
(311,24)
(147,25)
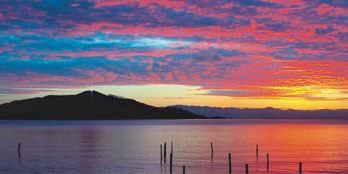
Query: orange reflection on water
(322,148)
(133,146)
(319,147)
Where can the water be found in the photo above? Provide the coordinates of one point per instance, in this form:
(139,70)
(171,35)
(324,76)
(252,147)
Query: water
(134,146)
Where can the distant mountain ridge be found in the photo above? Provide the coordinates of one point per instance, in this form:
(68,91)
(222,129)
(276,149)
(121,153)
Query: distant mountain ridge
(88,105)
(266,113)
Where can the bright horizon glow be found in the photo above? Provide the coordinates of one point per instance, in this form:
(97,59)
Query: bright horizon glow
(158,95)
(248,54)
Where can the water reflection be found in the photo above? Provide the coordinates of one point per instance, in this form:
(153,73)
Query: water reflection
(133,146)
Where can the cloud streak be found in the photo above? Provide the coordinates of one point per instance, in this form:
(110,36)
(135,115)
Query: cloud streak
(251,49)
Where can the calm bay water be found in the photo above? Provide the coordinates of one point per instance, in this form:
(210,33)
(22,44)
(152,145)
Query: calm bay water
(134,146)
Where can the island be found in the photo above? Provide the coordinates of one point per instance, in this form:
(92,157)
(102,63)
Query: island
(88,105)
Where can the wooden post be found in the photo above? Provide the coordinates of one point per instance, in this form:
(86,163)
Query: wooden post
(171,162)
(267,161)
(246,168)
(212,150)
(161,154)
(229,163)
(171,147)
(165,152)
(183,169)
(300,167)
(19,150)
(257,150)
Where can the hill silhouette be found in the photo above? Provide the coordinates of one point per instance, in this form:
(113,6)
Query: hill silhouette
(265,113)
(88,105)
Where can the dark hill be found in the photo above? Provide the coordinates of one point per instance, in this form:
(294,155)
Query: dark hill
(266,113)
(88,105)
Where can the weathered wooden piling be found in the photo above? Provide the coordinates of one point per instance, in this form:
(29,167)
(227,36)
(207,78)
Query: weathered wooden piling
(229,163)
(257,150)
(212,149)
(183,169)
(161,154)
(19,150)
(300,168)
(267,161)
(246,168)
(165,152)
(171,147)
(171,162)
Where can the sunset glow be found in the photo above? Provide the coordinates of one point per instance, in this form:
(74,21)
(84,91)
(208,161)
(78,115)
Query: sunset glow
(239,53)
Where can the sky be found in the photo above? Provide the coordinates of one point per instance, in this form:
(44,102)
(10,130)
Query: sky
(226,53)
